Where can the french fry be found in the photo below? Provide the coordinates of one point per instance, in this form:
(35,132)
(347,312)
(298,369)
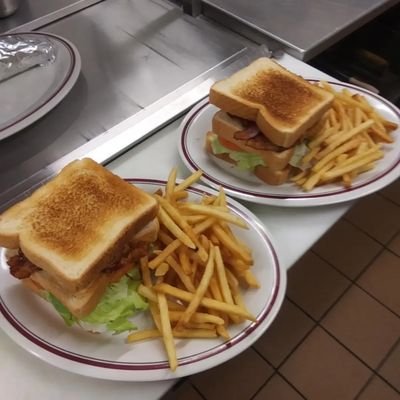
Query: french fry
(185,279)
(143,335)
(198,317)
(200,291)
(182,223)
(206,302)
(333,154)
(353,123)
(173,246)
(170,186)
(184,261)
(215,212)
(351,167)
(169,223)
(195,333)
(162,269)
(151,295)
(231,245)
(189,181)
(188,282)
(167,331)
(313,180)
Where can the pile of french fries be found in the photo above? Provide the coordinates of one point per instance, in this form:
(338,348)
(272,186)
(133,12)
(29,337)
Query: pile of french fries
(346,142)
(193,282)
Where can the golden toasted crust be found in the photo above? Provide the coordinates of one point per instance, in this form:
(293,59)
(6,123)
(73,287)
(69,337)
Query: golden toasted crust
(78,223)
(67,220)
(283,105)
(285,98)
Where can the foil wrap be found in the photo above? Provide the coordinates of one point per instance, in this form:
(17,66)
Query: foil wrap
(19,53)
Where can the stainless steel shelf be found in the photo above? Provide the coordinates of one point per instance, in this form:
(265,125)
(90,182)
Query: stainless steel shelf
(33,14)
(304,27)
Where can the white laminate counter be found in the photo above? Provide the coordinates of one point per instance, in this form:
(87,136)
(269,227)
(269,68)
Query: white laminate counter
(294,230)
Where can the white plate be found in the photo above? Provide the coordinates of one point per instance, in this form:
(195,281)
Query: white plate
(247,187)
(33,324)
(26,97)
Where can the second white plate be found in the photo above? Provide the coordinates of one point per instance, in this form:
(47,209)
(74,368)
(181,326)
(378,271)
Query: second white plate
(244,186)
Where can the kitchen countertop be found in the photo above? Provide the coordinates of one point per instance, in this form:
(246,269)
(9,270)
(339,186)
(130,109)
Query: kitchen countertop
(294,231)
(304,27)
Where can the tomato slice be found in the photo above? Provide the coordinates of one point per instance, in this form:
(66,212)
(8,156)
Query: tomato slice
(229,145)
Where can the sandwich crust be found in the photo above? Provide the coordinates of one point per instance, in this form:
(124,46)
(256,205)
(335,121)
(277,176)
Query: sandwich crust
(78,223)
(285,98)
(283,105)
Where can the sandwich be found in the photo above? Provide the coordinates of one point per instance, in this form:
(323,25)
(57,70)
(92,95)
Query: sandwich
(76,242)
(239,142)
(267,113)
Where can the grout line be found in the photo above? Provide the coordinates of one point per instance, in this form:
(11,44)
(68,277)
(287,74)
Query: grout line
(345,290)
(368,234)
(389,353)
(264,384)
(359,358)
(364,387)
(291,384)
(377,369)
(377,300)
(196,389)
(317,323)
(296,346)
(354,281)
(388,198)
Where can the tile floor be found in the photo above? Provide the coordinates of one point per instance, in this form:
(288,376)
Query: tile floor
(337,335)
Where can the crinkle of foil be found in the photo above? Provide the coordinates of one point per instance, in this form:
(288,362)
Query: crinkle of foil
(19,53)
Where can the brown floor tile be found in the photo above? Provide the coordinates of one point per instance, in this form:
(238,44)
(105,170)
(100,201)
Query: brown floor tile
(363,325)
(392,191)
(314,285)
(377,216)
(321,368)
(277,389)
(382,280)
(185,391)
(378,389)
(288,329)
(239,378)
(390,369)
(347,248)
(394,244)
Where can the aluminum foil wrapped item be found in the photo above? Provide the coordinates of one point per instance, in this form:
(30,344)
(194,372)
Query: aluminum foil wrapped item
(19,53)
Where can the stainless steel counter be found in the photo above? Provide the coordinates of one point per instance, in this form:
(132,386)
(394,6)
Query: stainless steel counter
(304,27)
(33,14)
(134,53)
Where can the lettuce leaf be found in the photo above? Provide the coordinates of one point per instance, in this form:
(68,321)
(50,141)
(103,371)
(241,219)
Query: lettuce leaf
(120,302)
(68,318)
(244,161)
(300,151)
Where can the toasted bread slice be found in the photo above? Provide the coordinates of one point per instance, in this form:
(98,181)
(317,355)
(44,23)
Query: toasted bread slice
(282,104)
(226,126)
(78,223)
(267,175)
(82,302)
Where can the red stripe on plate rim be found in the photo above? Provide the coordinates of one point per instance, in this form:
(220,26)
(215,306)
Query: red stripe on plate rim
(114,365)
(235,189)
(62,84)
